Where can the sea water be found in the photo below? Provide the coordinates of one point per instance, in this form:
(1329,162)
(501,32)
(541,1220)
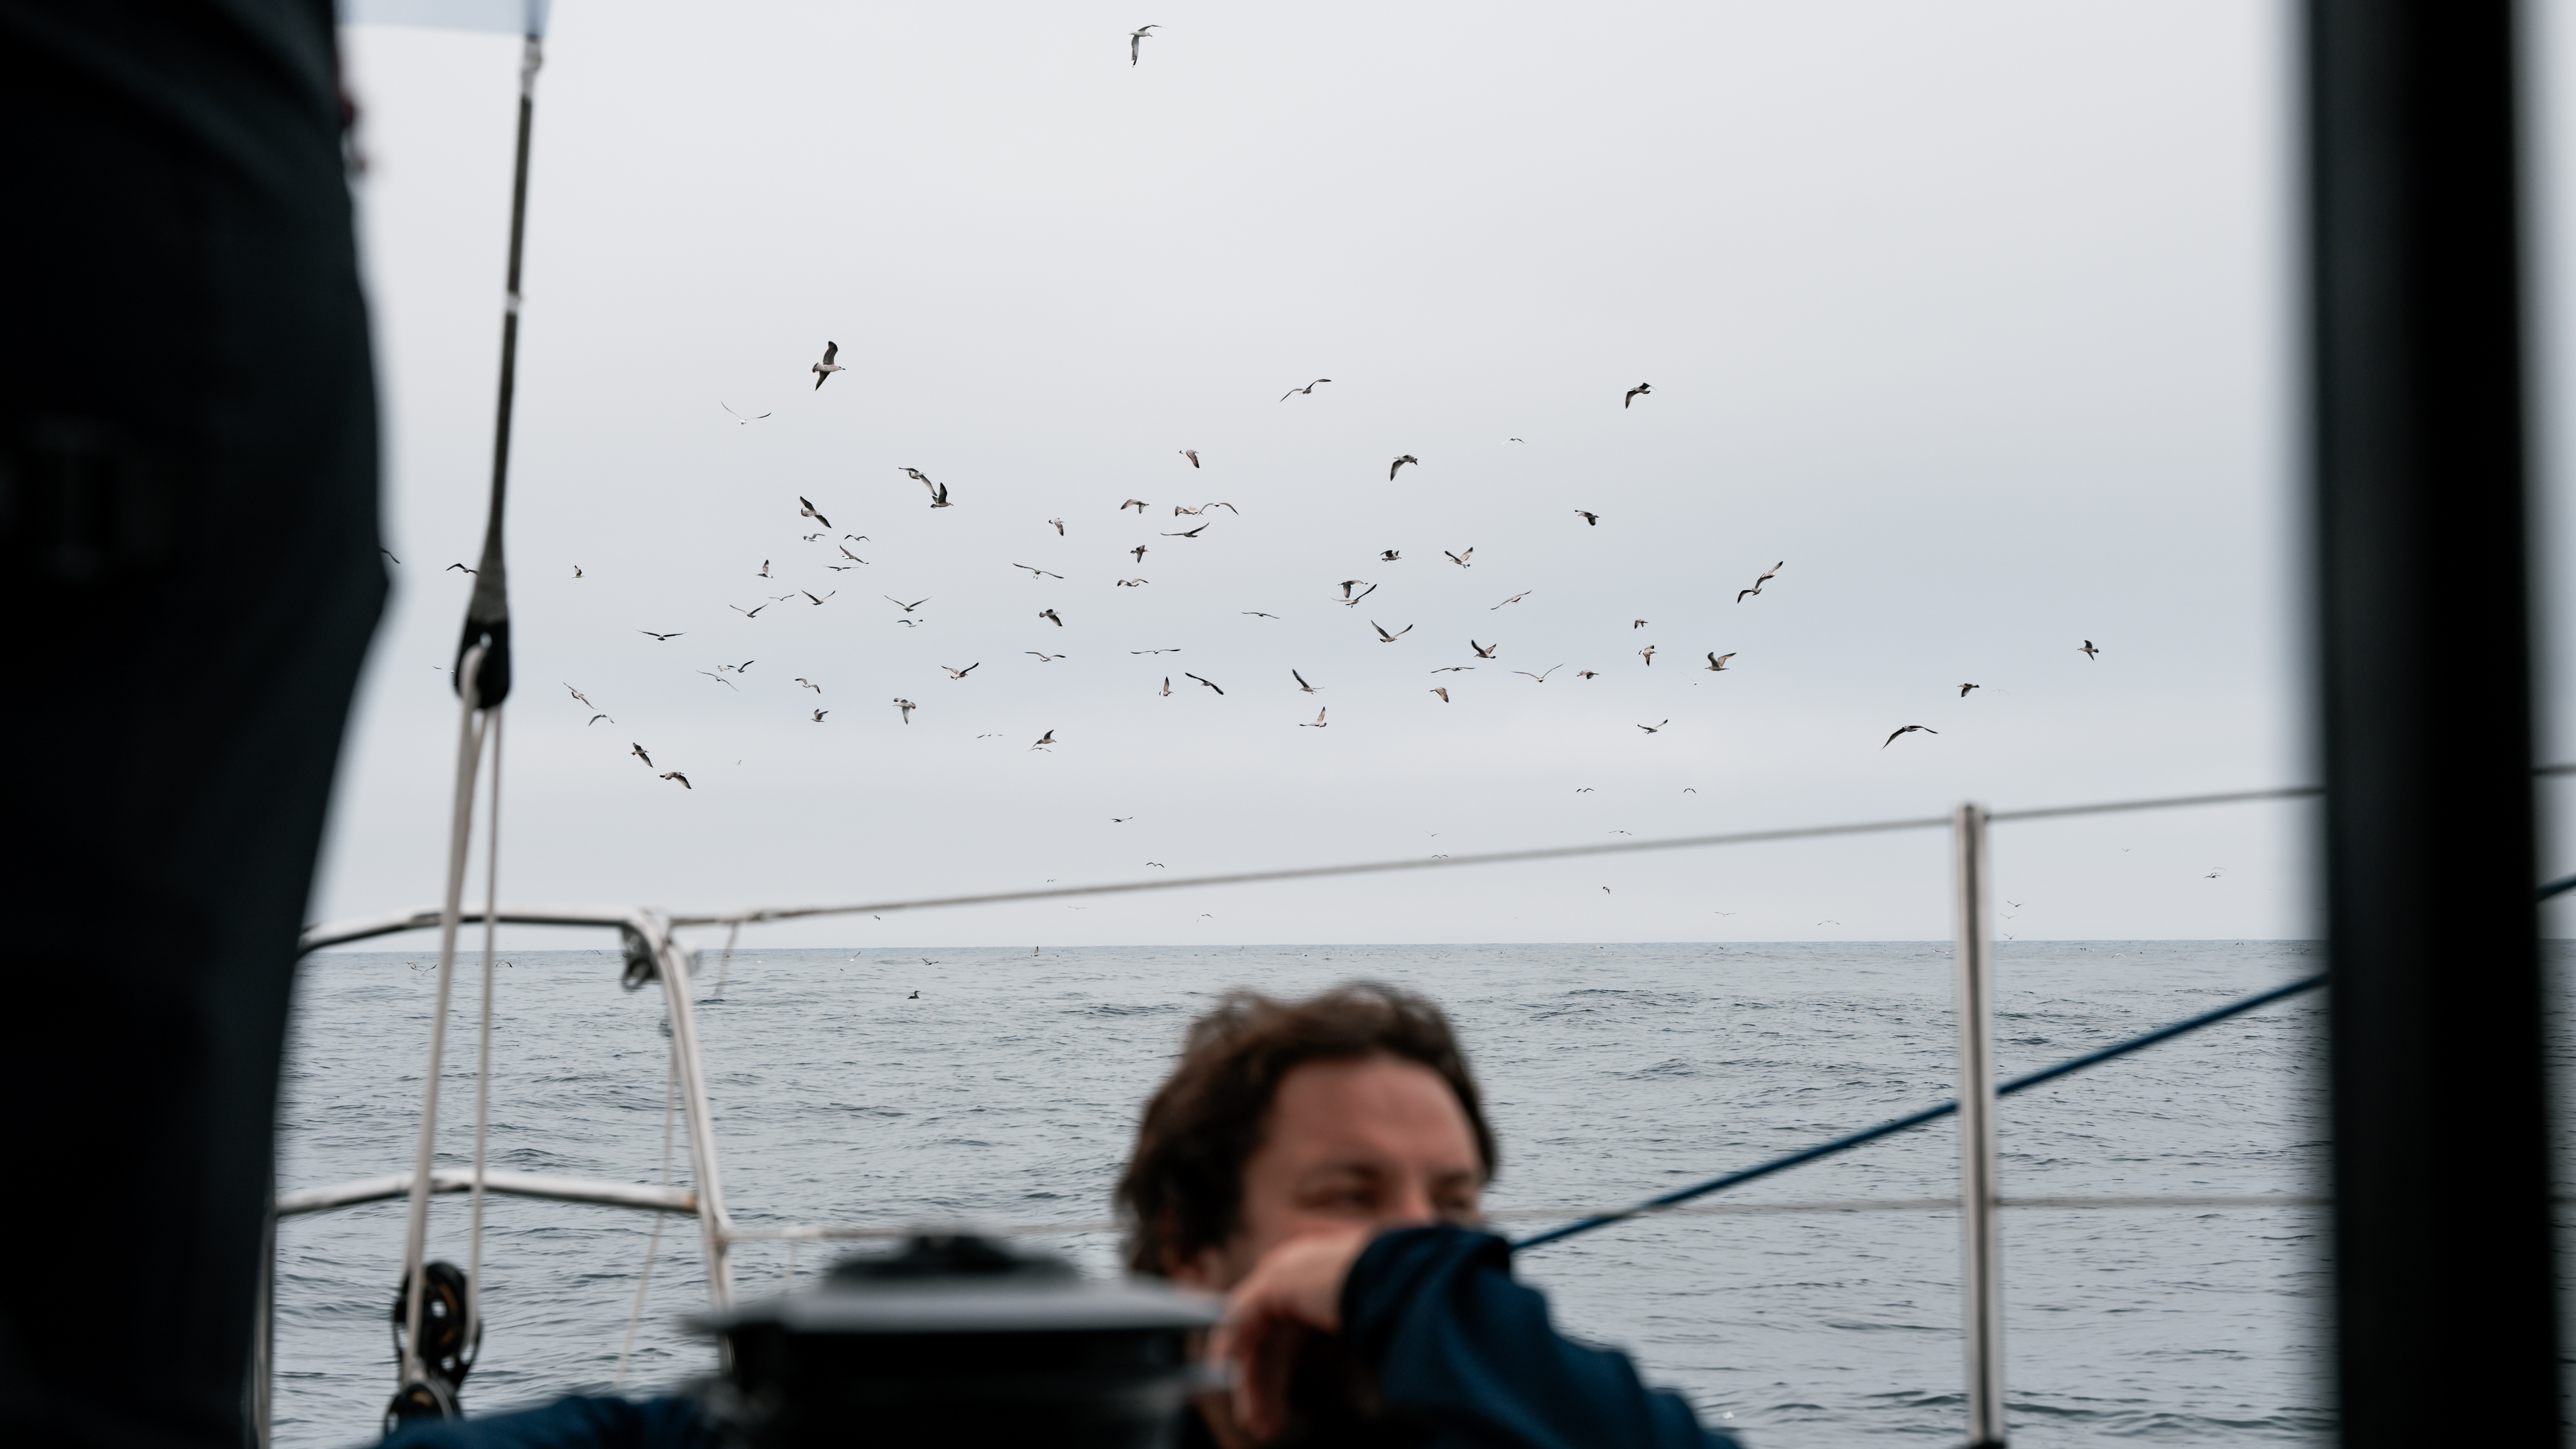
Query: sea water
(1007,1094)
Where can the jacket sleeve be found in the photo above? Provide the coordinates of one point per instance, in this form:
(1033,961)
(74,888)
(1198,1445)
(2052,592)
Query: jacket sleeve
(575,1422)
(1464,1351)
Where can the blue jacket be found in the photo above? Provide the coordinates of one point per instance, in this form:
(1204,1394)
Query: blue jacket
(1459,1353)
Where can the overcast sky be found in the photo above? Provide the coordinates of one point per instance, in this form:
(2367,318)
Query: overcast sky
(1979,316)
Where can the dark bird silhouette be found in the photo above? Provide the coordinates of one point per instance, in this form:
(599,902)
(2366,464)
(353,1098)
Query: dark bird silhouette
(1045,739)
(1400,462)
(1586,673)
(1036,572)
(1964,688)
(1308,389)
(1460,559)
(1594,519)
(1354,602)
(1139,552)
(807,511)
(809,684)
(457,569)
(1050,617)
(1484,651)
(676,775)
(1656,727)
(2089,651)
(900,604)
(818,603)
(1210,683)
(1193,533)
(1136,503)
(845,553)
(1257,614)
(1293,674)
(1640,390)
(1717,661)
(1742,594)
(763,571)
(665,638)
(824,369)
(1648,654)
(576,568)
(594,719)
(1042,656)
(1167,686)
(955,673)
(1907,730)
(818,716)
(1387,638)
(1133,583)
(638,752)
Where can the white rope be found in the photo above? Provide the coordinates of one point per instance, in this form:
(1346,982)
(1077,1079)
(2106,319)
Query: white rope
(469,754)
(644,1279)
(483,1063)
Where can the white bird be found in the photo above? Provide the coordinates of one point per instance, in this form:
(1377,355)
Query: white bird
(1036,572)
(1460,559)
(1758,583)
(676,775)
(807,511)
(1192,454)
(1484,651)
(818,603)
(907,706)
(1050,616)
(1136,43)
(1717,661)
(1133,583)
(955,673)
(1319,714)
(585,699)
(739,418)
(1059,526)
(1045,739)
(1292,674)
(1514,599)
(825,368)
(1541,678)
(1136,503)
(1387,638)
(1648,654)
(1441,690)
(809,684)
(638,752)
(764,563)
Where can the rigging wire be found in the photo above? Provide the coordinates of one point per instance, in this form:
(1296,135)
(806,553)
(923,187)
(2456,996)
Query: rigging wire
(471,724)
(483,1054)
(652,1245)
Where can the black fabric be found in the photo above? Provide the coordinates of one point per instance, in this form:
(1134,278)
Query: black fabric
(1467,1355)
(188,578)
(575,1422)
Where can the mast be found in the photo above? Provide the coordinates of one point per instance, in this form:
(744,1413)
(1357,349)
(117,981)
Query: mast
(2445,1311)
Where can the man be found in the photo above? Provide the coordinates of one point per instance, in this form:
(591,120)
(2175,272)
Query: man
(188,564)
(1321,1162)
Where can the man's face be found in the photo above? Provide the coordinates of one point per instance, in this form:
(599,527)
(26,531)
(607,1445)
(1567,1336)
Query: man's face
(1378,1141)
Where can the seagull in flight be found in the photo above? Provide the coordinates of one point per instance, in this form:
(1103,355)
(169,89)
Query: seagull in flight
(1192,454)
(2089,651)
(1133,583)
(1354,603)
(764,563)
(665,638)
(1460,559)
(1167,686)
(1293,674)
(1193,533)
(1514,599)
(1139,551)
(1593,519)
(1308,389)
(1036,572)
(954,673)
(1136,44)
(1909,729)
(1484,651)
(1656,727)
(818,715)
(1257,614)
(1649,654)
(1455,669)
(1758,583)
(1319,714)
(818,603)
(1586,673)
(1384,637)
(1043,658)
(907,706)
(1391,555)
(739,418)
(1050,616)
(1044,740)
(1717,662)
(594,719)
(1964,688)
(1441,690)
(638,752)
(938,491)
(1541,678)
(576,568)
(585,699)
(676,775)
(718,677)
(809,684)
(1642,389)
(458,568)
(1400,462)
(807,511)
(1210,683)
(824,369)
(1174,649)
(845,553)
(1059,526)
(900,604)
(1136,503)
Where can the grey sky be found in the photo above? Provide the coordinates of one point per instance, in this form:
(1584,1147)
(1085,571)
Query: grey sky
(1977,315)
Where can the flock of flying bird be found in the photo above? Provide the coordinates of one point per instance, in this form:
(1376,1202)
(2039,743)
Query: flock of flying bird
(1353,592)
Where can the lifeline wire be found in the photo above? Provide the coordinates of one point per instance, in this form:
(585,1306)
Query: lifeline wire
(483,1059)
(644,1277)
(1916,1119)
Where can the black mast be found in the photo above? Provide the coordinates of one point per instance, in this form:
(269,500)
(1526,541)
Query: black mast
(2446,1313)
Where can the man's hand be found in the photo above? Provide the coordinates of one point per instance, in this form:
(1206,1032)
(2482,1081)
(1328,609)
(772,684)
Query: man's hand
(1295,1289)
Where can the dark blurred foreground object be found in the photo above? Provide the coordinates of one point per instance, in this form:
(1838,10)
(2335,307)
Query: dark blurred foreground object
(2446,1293)
(189,570)
(959,1341)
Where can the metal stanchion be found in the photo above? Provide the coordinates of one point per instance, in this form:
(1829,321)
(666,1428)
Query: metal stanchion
(1980,1248)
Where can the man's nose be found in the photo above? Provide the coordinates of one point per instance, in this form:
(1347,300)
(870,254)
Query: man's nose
(1409,1204)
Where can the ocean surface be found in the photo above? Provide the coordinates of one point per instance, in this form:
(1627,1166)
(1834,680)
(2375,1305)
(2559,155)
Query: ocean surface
(1006,1094)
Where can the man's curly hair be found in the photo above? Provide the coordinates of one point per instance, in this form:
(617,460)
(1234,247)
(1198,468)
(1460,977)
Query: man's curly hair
(1183,1189)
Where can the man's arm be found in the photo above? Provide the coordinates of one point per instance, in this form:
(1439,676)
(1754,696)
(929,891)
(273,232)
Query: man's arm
(1461,1348)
